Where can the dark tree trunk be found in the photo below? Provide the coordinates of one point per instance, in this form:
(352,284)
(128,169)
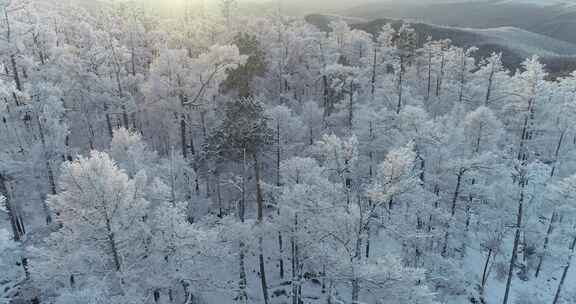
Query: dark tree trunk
(546,240)
(242,284)
(219,195)
(259,197)
(15,220)
(355,291)
(445,244)
(462,78)
(49,171)
(281,248)
(373,81)
(108,121)
(400,85)
(203,122)
(68,155)
(367,242)
(453,211)
(351,108)
(429,86)
(17,80)
(113,246)
(278,158)
(326,97)
(515,246)
(457,192)
(278,154)
(557,152)
(441,78)
(260,206)
(564,272)
(485,270)
(489,89)
(184,141)
(125,118)
(192,144)
(263,272)
(132,56)
(295,264)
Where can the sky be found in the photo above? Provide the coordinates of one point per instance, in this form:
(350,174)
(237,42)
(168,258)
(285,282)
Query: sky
(301,7)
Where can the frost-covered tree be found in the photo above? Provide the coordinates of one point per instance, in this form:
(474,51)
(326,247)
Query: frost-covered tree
(10,264)
(244,134)
(102,214)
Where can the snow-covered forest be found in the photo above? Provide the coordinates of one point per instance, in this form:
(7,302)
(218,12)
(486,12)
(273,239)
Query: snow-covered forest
(207,157)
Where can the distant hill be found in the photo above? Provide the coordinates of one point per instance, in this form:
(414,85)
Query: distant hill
(514,43)
(554,18)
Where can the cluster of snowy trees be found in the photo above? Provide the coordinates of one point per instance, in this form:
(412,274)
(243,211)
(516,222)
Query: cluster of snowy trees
(216,158)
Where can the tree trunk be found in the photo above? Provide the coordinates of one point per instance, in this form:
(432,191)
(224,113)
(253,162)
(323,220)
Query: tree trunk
(453,211)
(125,118)
(113,247)
(183,130)
(281,249)
(546,240)
(441,78)
(323,283)
(260,206)
(108,121)
(445,245)
(295,262)
(367,253)
(351,108)
(564,272)
(259,198)
(278,158)
(489,89)
(429,87)
(515,246)
(242,284)
(373,81)
(192,144)
(67,155)
(17,80)
(219,195)
(330,292)
(208,181)
(462,78)
(263,272)
(132,55)
(242,207)
(457,192)
(355,290)
(400,85)
(371,152)
(15,221)
(522,154)
(49,171)
(485,270)
(326,97)
(203,122)
(557,153)
(278,154)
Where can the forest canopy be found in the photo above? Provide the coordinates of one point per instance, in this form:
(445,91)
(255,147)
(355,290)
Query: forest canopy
(211,156)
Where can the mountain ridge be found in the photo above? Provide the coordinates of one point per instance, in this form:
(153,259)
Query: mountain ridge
(514,43)
(556,19)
